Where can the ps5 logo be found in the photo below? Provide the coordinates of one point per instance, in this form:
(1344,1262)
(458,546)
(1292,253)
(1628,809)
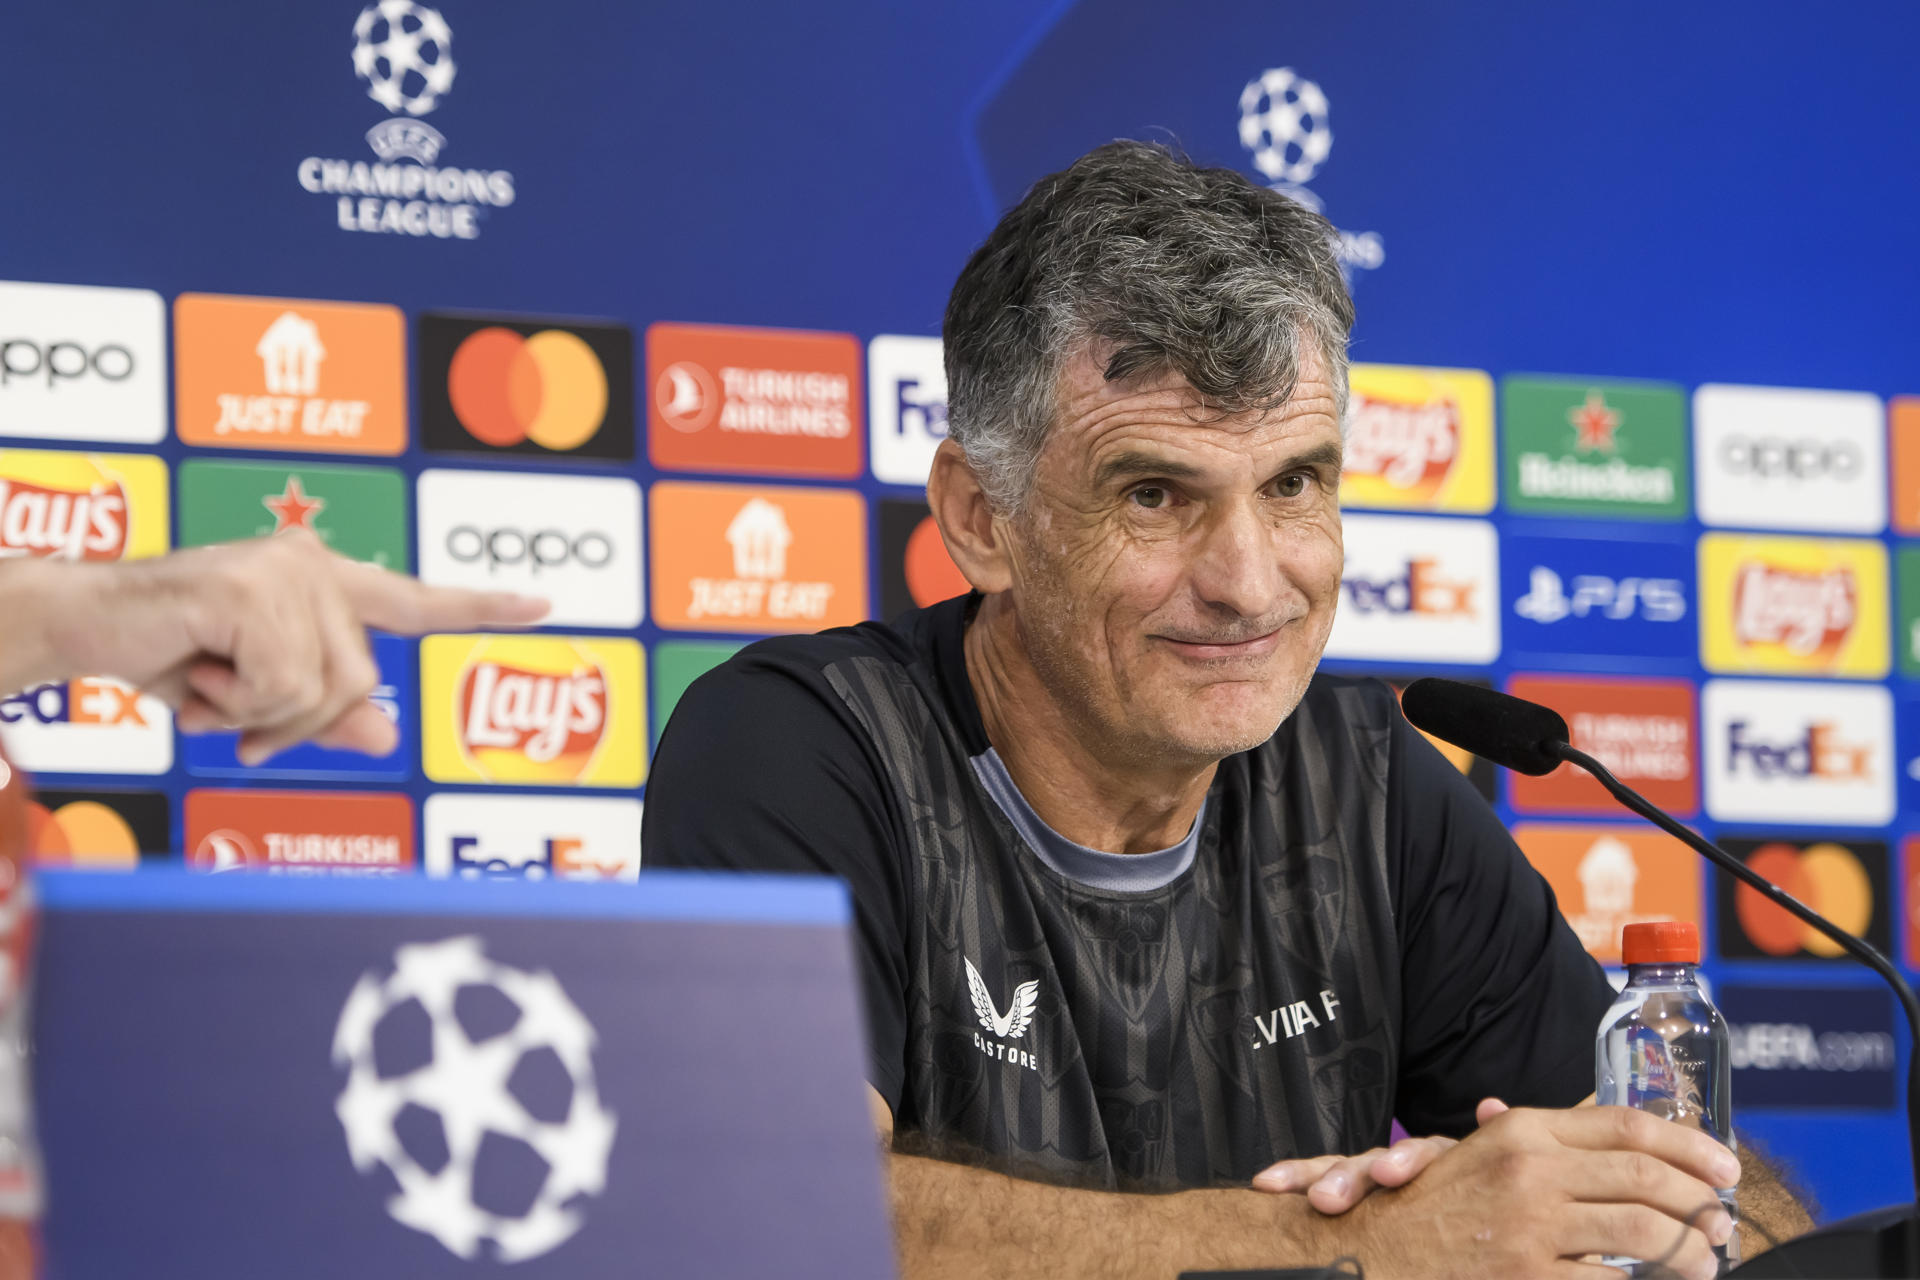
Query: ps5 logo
(1595,595)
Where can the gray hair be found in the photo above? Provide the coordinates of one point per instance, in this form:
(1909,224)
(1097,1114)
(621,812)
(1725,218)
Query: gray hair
(1164,266)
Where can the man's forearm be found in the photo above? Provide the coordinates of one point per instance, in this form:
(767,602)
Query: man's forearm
(953,1220)
(1769,1212)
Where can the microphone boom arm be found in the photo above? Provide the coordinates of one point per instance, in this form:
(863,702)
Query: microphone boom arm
(1861,950)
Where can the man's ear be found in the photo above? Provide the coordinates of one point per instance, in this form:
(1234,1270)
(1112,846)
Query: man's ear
(974,538)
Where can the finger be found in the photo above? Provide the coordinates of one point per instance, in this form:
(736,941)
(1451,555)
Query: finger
(1625,1129)
(1634,1231)
(274,671)
(348,675)
(197,715)
(1407,1160)
(1488,1109)
(402,605)
(1293,1175)
(1345,1185)
(1571,1269)
(1632,1177)
(364,727)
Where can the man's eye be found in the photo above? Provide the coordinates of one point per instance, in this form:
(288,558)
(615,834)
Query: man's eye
(1150,496)
(1292,486)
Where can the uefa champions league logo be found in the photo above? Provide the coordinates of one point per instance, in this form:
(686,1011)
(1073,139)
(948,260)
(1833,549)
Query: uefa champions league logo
(471,1088)
(1283,126)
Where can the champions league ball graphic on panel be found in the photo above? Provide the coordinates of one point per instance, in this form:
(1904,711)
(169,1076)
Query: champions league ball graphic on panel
(506,1085)
(404,53)
(1284,127)
(1283,122)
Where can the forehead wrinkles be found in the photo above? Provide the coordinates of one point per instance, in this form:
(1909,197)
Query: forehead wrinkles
(1176,418)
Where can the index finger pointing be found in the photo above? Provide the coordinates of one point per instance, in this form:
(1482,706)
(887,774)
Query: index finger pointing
(401,605)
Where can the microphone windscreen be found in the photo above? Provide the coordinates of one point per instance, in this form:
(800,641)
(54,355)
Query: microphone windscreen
(1509,731)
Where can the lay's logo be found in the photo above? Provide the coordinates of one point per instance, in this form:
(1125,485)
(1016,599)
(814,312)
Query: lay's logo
(1419,439)
(533,710)
(70,506)
(1407,447)
(1807,614)
(1816,606)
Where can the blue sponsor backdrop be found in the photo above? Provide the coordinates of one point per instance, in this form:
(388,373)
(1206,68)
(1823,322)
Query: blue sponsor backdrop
(1810,1047)
(1703,193)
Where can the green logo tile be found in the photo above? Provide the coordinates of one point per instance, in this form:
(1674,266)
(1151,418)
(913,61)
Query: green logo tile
(358,511)
(677,664)
(1906,572)
(1593,448)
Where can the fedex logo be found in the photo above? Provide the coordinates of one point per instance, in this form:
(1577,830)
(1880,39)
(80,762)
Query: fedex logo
(1418,588)
(90,700)
(494,837)
(1423,588)
(1820,752)
(1788,751)
(907,389)
(95,724)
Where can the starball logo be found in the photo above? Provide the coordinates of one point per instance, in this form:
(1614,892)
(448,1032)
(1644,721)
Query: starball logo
(1419,439)
(540,710)
(71,506)
(1284,126)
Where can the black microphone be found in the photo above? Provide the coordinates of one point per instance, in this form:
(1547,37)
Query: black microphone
(1511,732)
(1532,739)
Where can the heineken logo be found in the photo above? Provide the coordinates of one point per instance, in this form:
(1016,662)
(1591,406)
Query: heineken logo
(1807,614)
(1615,449)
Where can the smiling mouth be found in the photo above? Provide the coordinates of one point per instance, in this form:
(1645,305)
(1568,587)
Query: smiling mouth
(1206,651)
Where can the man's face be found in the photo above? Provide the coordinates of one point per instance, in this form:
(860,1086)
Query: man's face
(1176,573)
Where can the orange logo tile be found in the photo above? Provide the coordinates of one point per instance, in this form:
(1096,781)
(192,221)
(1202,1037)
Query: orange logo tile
(1608,877)
(738,558)
(1644,730)
(346,832)
(772,401)
(1903,422)
(281,373)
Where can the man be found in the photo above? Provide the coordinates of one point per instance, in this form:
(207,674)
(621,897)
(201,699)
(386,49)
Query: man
(1143,904)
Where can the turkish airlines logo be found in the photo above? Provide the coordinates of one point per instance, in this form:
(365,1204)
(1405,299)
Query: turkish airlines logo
(1642,730)
(1808,614)
(1410,447)
(764,400)
(299,832)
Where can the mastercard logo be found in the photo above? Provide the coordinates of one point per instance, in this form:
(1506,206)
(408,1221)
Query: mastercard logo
(84,833)
(931,574)
(1826,877)
(547,387)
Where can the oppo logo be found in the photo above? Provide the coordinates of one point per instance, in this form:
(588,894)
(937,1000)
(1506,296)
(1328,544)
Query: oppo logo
(1770,457)
(57,362)
(538,550)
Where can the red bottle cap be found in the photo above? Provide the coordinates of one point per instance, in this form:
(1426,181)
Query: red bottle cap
(1662,942)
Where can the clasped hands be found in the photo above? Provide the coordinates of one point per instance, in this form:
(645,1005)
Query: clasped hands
(1540,1190)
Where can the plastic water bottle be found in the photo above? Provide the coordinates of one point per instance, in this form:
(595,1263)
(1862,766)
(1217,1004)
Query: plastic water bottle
(1663,1049)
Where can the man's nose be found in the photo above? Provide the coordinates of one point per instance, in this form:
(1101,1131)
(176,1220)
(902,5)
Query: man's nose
(1237,564)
